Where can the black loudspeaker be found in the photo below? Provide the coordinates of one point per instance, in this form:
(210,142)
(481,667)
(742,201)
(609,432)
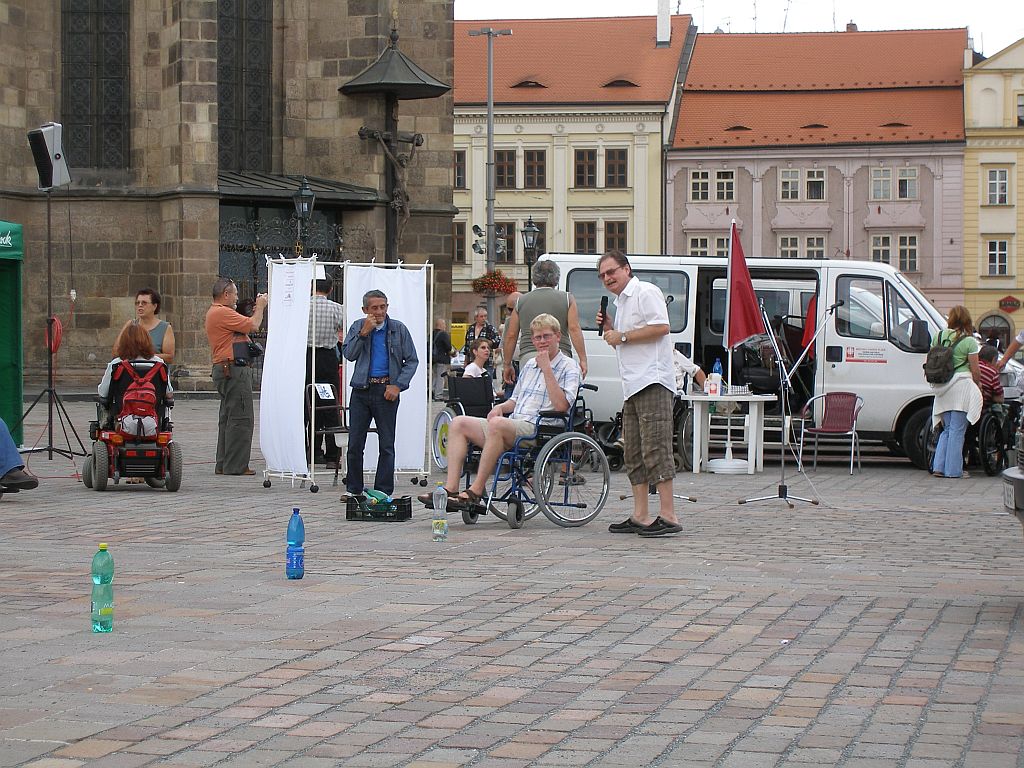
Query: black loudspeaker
(48,153)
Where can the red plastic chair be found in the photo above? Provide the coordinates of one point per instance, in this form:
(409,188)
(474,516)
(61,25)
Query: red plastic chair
(838,420)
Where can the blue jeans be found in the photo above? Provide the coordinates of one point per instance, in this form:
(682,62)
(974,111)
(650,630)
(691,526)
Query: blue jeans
(9,456)
(366,405)
(949,453)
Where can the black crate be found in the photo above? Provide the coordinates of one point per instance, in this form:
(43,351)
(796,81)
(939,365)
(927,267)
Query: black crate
(397,511)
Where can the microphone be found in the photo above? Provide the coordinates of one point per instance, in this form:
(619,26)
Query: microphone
(837,305)
(604,315)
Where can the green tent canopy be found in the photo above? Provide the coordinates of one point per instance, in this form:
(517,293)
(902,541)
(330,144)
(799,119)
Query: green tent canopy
(12,253)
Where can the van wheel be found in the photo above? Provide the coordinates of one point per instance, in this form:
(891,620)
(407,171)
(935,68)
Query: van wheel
(914,437)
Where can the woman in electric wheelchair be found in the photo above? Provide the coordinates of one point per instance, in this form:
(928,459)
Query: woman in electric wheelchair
(548,382)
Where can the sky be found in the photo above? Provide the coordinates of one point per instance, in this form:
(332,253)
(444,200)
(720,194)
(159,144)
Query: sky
(993,24)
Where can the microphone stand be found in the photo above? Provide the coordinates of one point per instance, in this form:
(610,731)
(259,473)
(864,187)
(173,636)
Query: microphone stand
(783,493)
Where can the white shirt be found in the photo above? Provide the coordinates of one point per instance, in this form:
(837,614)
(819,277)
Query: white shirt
(684,367)
(647,362)
(473,371)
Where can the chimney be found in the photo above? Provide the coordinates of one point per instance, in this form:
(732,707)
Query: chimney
(664,31)
(851,27)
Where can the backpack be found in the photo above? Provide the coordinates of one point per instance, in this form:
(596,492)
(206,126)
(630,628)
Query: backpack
(938,364)
(138,404)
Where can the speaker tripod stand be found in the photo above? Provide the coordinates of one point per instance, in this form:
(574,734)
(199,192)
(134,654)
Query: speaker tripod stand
(53,401)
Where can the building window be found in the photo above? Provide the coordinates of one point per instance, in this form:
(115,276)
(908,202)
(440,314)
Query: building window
(1020,110)
(721,246)
(881,183)
(94,94)
(615,168)
(586,168)
(725,186)
(504,169)
(906,184)
(586,237)
(698,246)
(542,237)
(700,183)
(244,85)
(881,248)
(815,183)
(505,242)
(615,236)
(998,263)
(998,186)
(789,184)
(458,242)
(815,247)
(460,169)
(789,247)
(908,253)
(535,169)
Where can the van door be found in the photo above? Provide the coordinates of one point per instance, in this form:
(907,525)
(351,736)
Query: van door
(676,281)
(868,349)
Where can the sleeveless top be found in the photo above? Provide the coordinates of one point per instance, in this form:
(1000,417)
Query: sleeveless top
(538,302)
(157,335)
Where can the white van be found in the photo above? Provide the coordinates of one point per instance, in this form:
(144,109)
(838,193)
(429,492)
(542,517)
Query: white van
(874,343)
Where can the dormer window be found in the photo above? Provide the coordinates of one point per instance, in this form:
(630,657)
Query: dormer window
(621,83)
(529,84)
(813,126)
(895,125)
(738,127)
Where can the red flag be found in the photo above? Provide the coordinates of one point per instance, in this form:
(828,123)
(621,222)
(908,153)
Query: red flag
(742,311)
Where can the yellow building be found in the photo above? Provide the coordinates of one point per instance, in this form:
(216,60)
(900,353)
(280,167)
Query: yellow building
(994,192)
(582,111)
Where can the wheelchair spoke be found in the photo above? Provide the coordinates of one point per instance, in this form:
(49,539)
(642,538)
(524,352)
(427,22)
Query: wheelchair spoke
(573,479)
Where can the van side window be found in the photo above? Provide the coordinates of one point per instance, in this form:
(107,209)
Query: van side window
(901,317)
(584,284)
(862,314)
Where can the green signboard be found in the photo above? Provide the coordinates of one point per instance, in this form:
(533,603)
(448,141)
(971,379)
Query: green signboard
(12,252)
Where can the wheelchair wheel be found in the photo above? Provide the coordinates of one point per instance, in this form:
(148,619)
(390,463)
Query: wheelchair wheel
(684,441)
(572,479)
(174,461)
(469,517)
(502,496)
(155,482)
(87,472)
(439,437)
(993,451)
(515,517)
(100,466)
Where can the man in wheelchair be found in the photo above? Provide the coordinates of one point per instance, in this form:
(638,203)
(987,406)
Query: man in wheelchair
(548,382)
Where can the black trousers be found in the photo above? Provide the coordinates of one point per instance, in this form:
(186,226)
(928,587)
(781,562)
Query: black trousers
(323,362)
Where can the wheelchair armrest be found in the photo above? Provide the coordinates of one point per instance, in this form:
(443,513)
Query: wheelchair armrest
(591,387)
(554,414)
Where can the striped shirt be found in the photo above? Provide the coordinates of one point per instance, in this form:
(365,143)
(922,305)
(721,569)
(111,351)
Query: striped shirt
(991,387)
(330,318)
(531,393)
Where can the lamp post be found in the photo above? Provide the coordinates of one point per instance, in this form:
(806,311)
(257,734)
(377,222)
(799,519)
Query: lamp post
(530,232)
(491,34)
(304,199)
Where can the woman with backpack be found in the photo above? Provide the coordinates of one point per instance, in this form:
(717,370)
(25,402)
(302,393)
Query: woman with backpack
(952,370)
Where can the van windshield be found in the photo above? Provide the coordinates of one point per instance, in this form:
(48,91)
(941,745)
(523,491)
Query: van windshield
(584,284)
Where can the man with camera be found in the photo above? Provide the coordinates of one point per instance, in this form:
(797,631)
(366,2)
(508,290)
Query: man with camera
(233,354)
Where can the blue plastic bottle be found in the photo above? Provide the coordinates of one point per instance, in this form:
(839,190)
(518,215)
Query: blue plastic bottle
(295,557)
(717,367)
(102,591)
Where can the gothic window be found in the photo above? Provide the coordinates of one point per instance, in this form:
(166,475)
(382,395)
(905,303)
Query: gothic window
(243,84)
(94,92)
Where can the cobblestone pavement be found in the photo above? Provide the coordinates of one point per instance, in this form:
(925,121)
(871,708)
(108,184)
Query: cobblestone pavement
(882,628)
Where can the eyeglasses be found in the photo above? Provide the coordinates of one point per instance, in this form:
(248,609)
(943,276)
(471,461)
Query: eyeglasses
(608,272)
(543,336)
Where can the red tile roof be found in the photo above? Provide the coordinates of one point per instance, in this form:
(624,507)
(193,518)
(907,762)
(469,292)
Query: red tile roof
(863,87)
(573,59)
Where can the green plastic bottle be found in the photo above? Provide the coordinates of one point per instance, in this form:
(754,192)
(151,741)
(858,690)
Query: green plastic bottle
(102,590)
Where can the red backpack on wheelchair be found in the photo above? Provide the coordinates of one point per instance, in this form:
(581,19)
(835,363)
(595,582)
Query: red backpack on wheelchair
(138,416)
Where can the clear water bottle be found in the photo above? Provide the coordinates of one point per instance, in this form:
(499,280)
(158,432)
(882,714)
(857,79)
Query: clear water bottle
(439,526)
(295,557)
(102,590)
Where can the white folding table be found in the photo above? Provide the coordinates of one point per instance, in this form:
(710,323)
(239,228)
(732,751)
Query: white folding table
(702,427)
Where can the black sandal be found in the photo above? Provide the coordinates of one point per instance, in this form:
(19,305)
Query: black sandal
(427,499)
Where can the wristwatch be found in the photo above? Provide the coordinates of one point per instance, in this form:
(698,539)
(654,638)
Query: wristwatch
(622,338)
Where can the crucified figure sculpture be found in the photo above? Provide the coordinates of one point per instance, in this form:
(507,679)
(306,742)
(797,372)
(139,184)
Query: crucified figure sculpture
(400,163)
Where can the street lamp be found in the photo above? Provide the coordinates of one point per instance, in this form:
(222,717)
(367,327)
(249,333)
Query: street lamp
(530,232)
(304,198)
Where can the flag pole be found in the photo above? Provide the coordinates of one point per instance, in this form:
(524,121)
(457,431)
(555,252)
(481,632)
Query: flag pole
(725,338)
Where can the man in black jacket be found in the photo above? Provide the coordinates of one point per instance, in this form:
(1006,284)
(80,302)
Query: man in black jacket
(440,358)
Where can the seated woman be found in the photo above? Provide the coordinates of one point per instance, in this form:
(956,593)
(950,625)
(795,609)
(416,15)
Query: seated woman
(480,349)
(133,344)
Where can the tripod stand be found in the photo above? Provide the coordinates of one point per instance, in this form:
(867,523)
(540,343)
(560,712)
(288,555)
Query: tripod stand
(783,493)
(52,398)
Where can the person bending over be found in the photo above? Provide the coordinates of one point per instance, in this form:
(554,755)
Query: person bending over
(547,382)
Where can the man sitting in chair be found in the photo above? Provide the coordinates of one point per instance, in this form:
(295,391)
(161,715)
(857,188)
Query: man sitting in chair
(548,382)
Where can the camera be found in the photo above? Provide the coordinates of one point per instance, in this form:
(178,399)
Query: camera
(246,352)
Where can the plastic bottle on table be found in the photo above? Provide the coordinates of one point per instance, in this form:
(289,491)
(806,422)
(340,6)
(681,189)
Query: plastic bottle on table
(439,525)
(102,590)
(295,556)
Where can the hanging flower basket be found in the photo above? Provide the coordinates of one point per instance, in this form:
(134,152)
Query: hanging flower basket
(494,283)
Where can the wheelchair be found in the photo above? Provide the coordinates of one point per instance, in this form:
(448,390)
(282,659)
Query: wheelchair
(558,470)
(121,450)
(466,397)
(990,442)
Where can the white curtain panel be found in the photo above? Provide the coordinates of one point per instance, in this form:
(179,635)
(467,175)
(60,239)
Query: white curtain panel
(282,435)
(407,293)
